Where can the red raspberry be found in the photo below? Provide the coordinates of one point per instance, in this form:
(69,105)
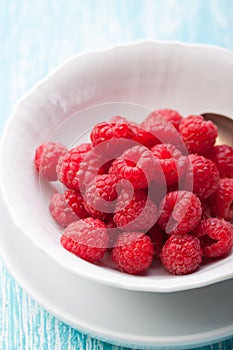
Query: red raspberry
(142,136)
(61,211)
(133,252)
(216,237)
(199,135)
(221,202)
(135,211)
(67,208)
(181,255)
(100,196)
(171,161)
(170,115)
(162,130)
(75,201)
(135,165)
(204,174)
(222,156)
(69,165)
(93,163)
(116,137)
(83,148)
(86,238)
(139,134)
(157,237)
(180,212)
(46,159)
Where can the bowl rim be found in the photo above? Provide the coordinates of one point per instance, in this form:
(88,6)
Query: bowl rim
(90,271)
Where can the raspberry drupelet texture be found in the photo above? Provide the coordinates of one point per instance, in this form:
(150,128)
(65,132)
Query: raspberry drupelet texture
(108,130)
(142,136)
(61,211)
(69,165)
(76,203)
(120,130)
(158,238)
(86,238)
(199,135)
(171,162)
(163,131)
(94,162)
(115,136)
(135,211)
(216,237)
(135,165)
(221,201)
(133,252)
(170,115)
(100,196)
(222,156)
(180,212)
(67,207)
(205,176)
(46,159)
(181,255)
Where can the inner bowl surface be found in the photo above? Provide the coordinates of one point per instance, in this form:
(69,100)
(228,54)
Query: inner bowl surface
(189,78)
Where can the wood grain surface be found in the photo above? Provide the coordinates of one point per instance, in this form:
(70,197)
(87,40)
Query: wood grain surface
(37,36)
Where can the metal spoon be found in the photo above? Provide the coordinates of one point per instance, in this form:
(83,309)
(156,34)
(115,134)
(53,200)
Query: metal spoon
(225,127)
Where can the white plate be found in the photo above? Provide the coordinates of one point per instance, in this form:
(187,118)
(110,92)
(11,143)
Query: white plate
(140,319)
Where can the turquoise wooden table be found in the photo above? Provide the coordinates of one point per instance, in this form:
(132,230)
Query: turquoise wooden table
(35,37)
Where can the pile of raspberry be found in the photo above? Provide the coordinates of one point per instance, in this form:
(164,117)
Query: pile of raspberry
(159,192)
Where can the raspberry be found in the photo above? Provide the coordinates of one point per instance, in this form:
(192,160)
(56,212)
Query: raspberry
(133,252)
(170,115)
(83,148)
(180,212)
(94,163)
(181,255)
(216,237)
(100,196)
(199,136)
(46,159)
(139,134)
(61,211)
(221,202)
(222,156)
(162,130)
(86,238)
(116,137)
(76,203)
(135,211)
(67,208)
(135,165)
(69,165)
(205,176)
(142,136)
(171,161)
(157,237)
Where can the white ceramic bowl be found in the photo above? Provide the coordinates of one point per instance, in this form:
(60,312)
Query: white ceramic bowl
(189,78)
